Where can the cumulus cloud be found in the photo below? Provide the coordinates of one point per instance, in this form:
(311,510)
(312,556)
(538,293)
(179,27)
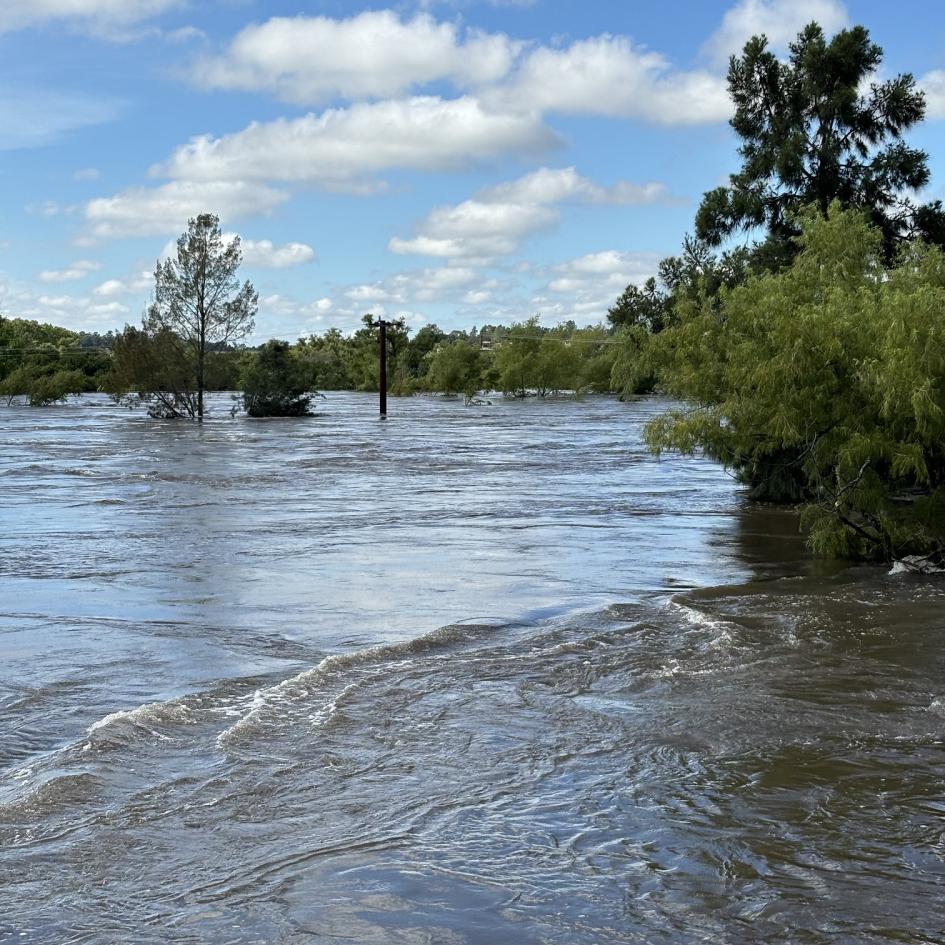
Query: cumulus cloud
(150,211)
(609,75)
(100,14)
(779,20)
(497,220)
(134,284)
(415,286)
(585,287)
(376,54)
(341,148)
(74,272)
(77,312)
(264,254)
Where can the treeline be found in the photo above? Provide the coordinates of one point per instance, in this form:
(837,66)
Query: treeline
(521,360)
(45,363)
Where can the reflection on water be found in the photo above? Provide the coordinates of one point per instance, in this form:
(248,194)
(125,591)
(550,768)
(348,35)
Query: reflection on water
(471,676)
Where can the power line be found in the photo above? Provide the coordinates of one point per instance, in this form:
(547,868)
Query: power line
(564,341)
(71,350)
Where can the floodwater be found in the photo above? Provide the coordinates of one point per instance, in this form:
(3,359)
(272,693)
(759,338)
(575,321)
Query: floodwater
(472,676)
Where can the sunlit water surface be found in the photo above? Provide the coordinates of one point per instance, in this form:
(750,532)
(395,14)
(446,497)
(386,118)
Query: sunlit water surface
(474,675)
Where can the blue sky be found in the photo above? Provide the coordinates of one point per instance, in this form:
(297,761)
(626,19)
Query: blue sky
(459,162)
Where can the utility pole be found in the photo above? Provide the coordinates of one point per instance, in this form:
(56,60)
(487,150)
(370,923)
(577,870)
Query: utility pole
(382,353)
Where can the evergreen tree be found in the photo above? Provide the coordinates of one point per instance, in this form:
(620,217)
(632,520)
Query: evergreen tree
(810,136)
(199,305)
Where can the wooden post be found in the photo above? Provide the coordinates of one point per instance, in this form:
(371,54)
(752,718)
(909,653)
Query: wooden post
(383,368)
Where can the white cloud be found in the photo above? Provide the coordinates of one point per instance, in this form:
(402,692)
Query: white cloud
(77,312)
(933,84)
(78,270)
(31,118)
(340,148)
(138,281)
(99,14)
(376,54)
(779,20)
(17,14)
(499,218)
(87,173)
(609,75)
(476,229)
(548,185)
(109,288)
(265,255)
(275,304)
(144,211)
(584,288)
(415,286)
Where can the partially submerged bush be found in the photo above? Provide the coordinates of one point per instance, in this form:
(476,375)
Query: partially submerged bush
(42,386)
(277,383)
(832,375)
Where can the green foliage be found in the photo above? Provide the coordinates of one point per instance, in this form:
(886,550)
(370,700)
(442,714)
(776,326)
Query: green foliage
(156,368)
(516,359)
(44,363)
(523,360)
(51,388)
(832,373)
(199,310)
(632,371)
(810,135)
(41,384)
(456,369)
(647,308)
(26,334)
(329,355)
(277,382)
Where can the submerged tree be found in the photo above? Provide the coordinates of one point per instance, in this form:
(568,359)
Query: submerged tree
(277,382)
(811,136)
(199,307)
(829,372)
(456,368)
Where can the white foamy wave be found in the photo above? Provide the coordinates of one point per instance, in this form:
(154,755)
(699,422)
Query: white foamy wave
(141,718)
(315,680)
(722,629)
(937,706)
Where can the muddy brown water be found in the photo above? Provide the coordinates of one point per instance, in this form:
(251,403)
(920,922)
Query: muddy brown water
(476,675)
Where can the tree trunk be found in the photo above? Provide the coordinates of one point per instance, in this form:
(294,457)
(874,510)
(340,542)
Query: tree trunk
(201,354)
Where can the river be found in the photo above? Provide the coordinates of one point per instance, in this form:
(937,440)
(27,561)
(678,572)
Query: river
(472,676)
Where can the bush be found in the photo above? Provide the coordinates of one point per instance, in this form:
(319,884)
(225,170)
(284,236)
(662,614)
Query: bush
(277,383)
(42,385)
(831,375)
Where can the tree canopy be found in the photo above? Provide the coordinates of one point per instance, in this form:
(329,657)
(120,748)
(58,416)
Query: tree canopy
(199,307)
(811,135)
(834,370)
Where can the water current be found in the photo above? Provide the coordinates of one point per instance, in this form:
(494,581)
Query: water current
(473,676)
